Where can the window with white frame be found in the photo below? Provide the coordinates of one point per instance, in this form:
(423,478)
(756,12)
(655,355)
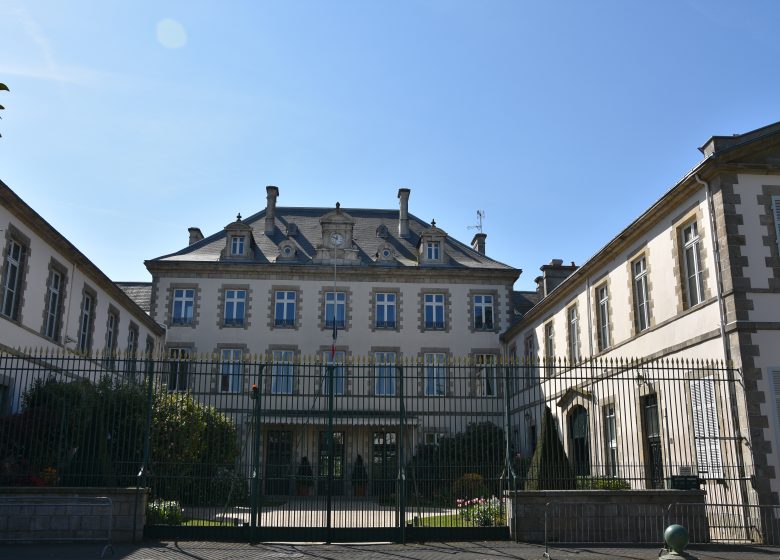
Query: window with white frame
(610,440)
(13,273)
(230,370)
(435,365)
(602,317)
(183,308)
(86,319)
(691,243)
(335,309)
(237,245)
(53,315)
(486,374)
(384,373)
(132,348)
(706,428)
(336,361)
(112,328)
(432,250)
(385,310)
(434,311)
(178,368)
(235,308)
(641,295)
(573,320)
(282,372)
(284,308)
(483,312)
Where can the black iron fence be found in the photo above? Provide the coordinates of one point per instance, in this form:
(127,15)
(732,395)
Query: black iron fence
(338,443)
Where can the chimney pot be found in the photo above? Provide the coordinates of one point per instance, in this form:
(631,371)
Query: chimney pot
(403,213)
(195,234)
(270,209)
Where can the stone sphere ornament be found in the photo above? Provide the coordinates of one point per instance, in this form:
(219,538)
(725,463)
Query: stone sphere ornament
(676,537)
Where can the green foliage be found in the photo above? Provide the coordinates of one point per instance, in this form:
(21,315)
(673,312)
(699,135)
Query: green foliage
(359,473)
(470,485)
(550,468)
(162,512)
(481,512)
(602,483)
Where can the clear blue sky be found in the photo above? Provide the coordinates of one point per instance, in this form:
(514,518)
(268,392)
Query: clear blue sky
(128,122)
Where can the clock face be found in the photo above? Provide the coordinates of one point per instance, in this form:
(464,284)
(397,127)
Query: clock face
(336,239)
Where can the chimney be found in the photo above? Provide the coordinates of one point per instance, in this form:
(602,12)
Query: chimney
(270,209)
(195,234)
(403,214)
(478,243)
(554,274)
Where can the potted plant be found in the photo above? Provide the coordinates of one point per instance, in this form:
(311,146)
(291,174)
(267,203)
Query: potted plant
(304,477)
(359,477)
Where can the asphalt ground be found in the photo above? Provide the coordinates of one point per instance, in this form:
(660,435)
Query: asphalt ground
(503,550)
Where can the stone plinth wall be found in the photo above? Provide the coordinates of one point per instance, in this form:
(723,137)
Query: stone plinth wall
(71,514)
(605,516)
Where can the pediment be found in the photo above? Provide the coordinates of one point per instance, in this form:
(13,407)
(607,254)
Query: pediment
(571,394)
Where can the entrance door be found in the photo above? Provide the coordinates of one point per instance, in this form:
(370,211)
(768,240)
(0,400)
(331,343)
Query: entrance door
(338,464)
(578,430)
(384,464)
(654,469)
(279,464)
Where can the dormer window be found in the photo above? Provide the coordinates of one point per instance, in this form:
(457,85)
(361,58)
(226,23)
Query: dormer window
(432,250)
(237,245)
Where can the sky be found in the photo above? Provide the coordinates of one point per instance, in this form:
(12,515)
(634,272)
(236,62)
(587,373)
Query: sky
(128,122)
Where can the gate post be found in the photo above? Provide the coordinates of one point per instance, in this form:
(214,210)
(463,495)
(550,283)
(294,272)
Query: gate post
(331,451)
(509,469)
(254,506)
(143,474)
(401,457)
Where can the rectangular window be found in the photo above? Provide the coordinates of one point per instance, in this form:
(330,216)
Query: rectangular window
(112,328)
(706,428)
(483,312)
(335,309)
(178,369)
(53,305)
(183,306)
(85,323)
(132,349)
(610,440)
(435,375)
(336,361)
(237,245)
(602,317)
(284,308)
(641,299)
(385,310)
(549,349)
(434,311)
(235,307)
(384,370)
(433,438)
(692,264)
(282,372)
(528,370)
(486,374)
(12,279)
(574,335)
(230,367)
(432,250)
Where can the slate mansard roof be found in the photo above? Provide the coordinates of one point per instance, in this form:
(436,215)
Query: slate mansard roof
(373,229)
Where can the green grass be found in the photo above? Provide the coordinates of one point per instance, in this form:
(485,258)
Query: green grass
(207,523)
(450,520)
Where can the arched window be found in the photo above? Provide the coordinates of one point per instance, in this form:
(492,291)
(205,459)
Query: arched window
(579,438)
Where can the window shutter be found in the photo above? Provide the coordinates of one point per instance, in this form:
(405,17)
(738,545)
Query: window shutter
(706,430)
(776,216)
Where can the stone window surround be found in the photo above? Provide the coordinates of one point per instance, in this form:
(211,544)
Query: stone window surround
(640,393)
(447,309)
(433,235)
(347,306)
(11,232)
(195,305)
(87,291)
(603,403)
(245,249)
(574,306)
(348,377)
(221,306)
(767,219)
(115,312)
(372,379)
(55,266)
(449,381)
(565,429)
(133,327)
(606,281)
(643,253)
(296,359)
(215,384)
(168,359)
(474,391)
(398,308)
(496,310)
(272,307)
(682,221)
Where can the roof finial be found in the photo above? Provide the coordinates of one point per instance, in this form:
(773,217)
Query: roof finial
(238,217)
(433,223)
(338,205)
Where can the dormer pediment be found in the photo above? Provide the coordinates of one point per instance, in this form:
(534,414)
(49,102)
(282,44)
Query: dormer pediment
(572,394)
(239,241)
(430,248)
(337,239)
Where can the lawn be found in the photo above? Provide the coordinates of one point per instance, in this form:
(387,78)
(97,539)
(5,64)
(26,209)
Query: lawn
(451,520)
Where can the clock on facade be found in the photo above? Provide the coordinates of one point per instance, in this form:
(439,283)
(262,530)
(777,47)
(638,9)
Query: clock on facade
(336,239)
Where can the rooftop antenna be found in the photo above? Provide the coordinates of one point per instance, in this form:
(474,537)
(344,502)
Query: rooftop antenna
(480,217)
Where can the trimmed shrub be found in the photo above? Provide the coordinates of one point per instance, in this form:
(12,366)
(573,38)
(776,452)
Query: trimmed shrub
(470,485)
(162,512)
(550,468)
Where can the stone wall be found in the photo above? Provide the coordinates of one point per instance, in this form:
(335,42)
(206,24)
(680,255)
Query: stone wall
(71,514)
(605,516)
